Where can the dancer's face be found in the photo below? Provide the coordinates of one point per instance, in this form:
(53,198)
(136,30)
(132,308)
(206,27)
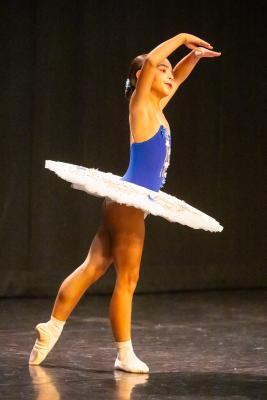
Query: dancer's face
(163,79)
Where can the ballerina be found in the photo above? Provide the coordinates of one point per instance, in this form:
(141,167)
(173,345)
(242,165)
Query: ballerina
(128,199)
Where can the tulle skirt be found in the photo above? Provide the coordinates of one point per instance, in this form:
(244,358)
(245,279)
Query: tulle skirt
(106,184)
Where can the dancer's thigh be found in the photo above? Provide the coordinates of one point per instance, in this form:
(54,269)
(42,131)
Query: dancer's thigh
(127,230)
(108,201)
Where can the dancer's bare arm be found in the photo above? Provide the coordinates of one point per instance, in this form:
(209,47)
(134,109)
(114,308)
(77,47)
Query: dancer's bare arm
(184,68)
(155,56)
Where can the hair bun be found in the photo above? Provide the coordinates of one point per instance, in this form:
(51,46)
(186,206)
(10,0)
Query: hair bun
(130,83)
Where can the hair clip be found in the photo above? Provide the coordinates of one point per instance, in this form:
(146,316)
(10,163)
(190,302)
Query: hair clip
(128,84)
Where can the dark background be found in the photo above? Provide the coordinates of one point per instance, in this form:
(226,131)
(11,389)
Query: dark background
(63,69)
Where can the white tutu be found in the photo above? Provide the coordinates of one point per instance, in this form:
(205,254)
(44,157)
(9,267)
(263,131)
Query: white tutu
(106,184)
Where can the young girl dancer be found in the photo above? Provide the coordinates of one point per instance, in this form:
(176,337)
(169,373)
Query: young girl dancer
(150,85)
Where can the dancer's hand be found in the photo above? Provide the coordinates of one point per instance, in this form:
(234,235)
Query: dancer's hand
(203,52)
(192,42)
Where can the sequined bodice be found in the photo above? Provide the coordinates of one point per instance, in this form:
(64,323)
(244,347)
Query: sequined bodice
(149,161)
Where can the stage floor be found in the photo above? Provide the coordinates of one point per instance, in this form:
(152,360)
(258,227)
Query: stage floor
(198,345)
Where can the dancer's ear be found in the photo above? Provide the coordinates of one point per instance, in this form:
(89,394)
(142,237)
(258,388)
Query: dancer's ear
(138,73)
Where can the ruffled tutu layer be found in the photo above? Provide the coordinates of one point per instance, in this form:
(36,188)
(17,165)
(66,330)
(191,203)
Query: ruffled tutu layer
(106,184)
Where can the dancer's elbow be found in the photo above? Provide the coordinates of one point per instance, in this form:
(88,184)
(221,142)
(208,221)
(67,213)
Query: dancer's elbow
(150,59)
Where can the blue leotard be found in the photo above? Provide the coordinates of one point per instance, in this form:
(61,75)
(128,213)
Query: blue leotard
(149,161)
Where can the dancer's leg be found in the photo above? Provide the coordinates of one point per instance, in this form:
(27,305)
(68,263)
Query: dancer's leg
(127,230)
(127,250)
(96,263)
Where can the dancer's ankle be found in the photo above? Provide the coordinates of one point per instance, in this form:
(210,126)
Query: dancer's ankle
(57,322)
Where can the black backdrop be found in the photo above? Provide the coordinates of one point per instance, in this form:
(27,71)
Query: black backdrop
(63,68)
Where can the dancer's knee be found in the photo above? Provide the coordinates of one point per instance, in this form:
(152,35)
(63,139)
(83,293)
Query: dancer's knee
(96,270)
(127,280)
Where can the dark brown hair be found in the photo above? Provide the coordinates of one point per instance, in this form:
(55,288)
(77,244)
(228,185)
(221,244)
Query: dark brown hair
(135,65)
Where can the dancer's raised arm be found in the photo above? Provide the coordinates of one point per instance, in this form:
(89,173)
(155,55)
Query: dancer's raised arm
(159,53)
